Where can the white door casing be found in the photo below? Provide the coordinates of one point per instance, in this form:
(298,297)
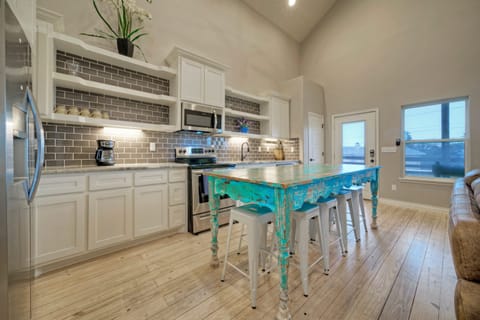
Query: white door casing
(315,139)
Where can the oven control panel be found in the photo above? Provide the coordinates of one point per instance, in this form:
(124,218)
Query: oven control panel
(195,152)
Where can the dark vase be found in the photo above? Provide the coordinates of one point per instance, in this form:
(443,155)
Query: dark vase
(125,47)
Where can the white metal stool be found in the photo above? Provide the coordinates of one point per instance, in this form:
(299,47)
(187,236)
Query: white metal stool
(256,218)
(300,233)
(345,197)
(357,199)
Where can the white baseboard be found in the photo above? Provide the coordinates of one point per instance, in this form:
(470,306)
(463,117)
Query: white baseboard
(413,205)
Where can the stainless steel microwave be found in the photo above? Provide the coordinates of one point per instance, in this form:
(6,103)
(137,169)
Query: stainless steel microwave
(201,118)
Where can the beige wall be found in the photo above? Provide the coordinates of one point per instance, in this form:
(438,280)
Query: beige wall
(385,54)
(260,55)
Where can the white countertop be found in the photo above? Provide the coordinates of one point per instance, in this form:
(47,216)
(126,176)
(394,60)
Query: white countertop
(117,167)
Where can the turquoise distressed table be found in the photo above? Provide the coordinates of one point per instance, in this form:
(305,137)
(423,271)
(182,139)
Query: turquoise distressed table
(283,189)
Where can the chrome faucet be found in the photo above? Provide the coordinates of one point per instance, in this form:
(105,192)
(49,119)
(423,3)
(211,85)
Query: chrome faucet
(244,156)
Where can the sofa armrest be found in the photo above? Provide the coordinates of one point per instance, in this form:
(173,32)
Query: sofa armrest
(464,233)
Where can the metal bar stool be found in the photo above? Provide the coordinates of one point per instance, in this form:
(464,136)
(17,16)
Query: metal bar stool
(256,218)
(345,197)
(357,199)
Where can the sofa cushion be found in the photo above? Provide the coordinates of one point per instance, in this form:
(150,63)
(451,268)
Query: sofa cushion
(471,175)
(467,296)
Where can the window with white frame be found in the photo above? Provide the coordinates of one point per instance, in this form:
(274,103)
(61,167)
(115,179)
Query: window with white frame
(434,135)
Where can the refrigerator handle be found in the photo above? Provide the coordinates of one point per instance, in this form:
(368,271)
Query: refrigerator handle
(32,190)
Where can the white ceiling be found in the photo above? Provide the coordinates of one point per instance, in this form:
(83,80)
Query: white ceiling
(296,21)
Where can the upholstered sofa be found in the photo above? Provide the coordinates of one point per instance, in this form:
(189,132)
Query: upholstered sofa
(464,233)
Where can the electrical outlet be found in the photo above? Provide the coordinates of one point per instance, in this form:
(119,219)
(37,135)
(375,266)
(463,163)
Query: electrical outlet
(153,147)
(394,187)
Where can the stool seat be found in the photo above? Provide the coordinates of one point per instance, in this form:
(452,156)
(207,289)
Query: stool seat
(256,218)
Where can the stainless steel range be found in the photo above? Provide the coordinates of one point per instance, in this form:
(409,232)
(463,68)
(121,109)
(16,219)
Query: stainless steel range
(198,160)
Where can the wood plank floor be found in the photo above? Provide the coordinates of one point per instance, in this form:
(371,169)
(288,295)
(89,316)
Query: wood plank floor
(403,270)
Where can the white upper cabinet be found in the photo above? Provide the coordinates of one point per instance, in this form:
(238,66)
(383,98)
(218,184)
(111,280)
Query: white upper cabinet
(201,83)
(192,81)
(214,87)
(199,80)
(280,117)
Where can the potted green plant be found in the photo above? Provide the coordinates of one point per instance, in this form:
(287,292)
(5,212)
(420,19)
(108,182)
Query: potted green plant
(128,28)
(243,124)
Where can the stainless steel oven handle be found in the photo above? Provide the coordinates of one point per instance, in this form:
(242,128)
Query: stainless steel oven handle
(32,189)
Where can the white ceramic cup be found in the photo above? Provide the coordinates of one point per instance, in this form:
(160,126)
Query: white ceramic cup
(96,113)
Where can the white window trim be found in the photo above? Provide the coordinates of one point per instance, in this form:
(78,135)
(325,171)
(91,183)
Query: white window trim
(466,141)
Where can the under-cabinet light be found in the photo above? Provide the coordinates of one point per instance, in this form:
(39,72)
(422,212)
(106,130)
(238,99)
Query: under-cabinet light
(122,132)
(238,140)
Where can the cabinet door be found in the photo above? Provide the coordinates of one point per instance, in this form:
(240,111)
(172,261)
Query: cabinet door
(59,227)
(192,81)
(25,11)
(176,192)
(151,209)
(110,217)
(280,111)
(214,87)
(176,216)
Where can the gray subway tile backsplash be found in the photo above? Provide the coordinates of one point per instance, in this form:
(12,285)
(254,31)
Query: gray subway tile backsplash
(75,145)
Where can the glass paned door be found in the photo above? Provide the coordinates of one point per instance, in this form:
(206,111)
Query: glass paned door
(354,140)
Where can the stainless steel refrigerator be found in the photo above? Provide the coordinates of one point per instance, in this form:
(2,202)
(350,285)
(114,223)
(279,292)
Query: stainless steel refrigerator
(21,162)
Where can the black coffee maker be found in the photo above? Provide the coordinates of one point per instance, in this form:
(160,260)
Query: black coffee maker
(104,155)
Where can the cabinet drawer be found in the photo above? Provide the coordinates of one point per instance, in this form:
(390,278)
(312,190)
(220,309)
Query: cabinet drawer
(54,185)
(176,216)
(176,193)
(176,175)
(102,181)
(149,177)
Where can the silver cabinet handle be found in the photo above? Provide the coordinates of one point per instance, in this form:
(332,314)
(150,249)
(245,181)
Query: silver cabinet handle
(32,190)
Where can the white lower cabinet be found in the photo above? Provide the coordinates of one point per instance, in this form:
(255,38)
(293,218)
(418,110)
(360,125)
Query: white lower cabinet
(177,193)
(110,217)
(151,209)
(75,214)
(176,216)
(58,227)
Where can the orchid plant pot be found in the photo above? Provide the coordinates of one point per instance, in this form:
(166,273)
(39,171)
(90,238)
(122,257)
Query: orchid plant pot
(125,47)
(244,129)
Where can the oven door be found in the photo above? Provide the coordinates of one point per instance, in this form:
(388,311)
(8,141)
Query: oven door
(201,118)
(200,194)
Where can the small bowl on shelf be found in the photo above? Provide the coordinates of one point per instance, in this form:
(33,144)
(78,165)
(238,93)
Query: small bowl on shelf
(96,114)
(85,112)
(61,109)
(73,111)
(105,115)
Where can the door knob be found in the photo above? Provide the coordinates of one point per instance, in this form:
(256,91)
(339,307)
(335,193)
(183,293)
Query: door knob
(311,159)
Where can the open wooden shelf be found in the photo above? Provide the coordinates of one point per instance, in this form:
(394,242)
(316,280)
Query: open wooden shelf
(245,135)
(76,46)
(100,122)
(246,115)
(73,82)
(229,91)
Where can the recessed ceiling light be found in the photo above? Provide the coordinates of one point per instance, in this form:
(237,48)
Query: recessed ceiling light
(291,3)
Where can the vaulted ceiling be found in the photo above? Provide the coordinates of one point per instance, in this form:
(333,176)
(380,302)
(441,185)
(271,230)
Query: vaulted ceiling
(296,21)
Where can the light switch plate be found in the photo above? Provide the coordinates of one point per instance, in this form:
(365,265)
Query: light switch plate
(153,147)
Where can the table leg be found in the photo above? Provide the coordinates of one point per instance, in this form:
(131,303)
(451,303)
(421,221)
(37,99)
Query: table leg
(214,203)
(374,191)
(282,225)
